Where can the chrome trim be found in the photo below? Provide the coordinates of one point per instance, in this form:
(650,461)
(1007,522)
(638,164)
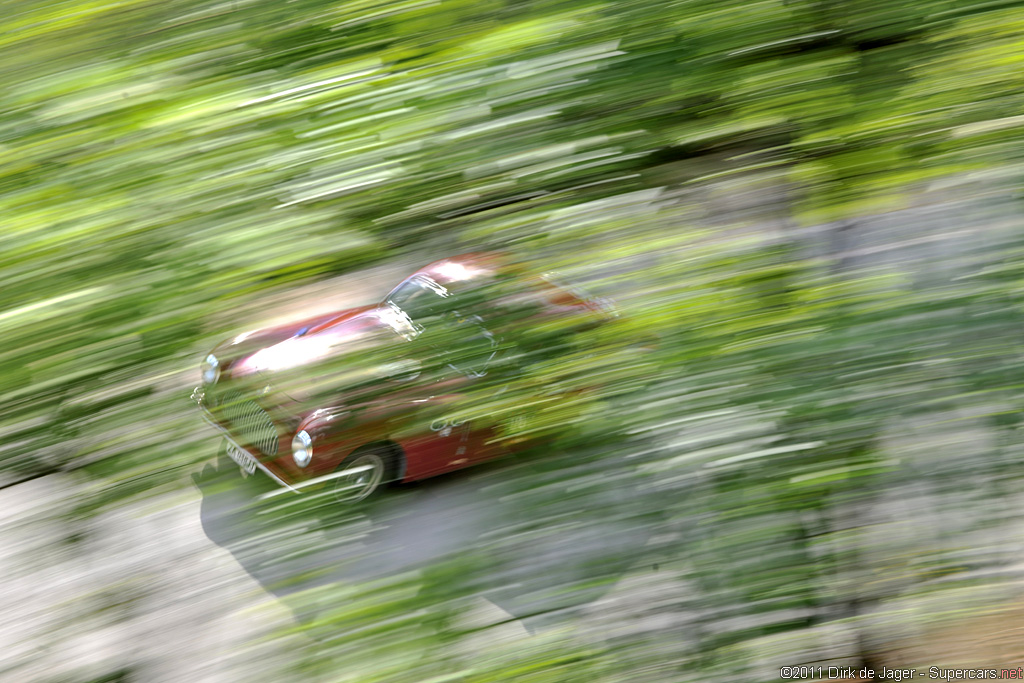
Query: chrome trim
(314,481)
(198,396)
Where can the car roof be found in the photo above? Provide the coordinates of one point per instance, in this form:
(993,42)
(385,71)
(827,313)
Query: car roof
(465,268)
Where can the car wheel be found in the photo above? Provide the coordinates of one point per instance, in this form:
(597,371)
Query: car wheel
(361,474)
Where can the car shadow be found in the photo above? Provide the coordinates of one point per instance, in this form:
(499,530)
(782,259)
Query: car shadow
(293,543)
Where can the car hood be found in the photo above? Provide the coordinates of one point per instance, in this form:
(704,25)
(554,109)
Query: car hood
(289,358)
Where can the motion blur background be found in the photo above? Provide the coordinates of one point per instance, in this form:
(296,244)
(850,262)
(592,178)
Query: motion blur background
(807,211)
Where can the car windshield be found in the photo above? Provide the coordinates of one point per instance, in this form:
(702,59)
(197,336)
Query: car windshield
(418,299)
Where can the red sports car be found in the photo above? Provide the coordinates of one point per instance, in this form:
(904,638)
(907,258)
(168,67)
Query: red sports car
(360,397)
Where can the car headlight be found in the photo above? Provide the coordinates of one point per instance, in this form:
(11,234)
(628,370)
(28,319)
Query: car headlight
(210,368)
(302,448)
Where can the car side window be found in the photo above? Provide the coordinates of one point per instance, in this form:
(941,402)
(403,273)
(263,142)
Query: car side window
(442,321)
(473,346)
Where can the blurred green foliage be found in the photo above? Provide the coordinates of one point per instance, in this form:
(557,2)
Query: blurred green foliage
(166,164)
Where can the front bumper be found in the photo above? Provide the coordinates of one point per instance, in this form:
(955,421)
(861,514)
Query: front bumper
(198,394)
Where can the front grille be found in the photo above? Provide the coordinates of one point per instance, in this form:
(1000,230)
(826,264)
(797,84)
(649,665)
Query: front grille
(249,422)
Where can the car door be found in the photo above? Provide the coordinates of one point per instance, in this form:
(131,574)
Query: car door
(462,349)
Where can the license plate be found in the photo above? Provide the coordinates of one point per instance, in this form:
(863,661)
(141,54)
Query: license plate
(243,460)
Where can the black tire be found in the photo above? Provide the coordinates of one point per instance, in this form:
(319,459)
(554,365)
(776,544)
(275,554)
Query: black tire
(384,466)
